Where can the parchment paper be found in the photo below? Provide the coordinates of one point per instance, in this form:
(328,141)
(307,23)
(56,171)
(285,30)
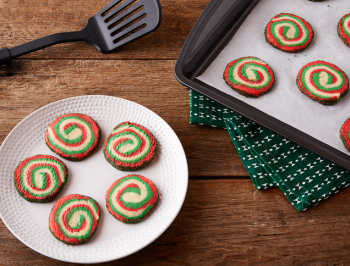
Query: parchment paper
(285,101)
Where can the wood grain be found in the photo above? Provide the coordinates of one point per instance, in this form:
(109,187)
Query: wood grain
(28,85)
(24,21)
(224,220)
(245,227)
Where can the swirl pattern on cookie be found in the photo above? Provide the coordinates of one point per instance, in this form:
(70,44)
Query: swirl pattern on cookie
(130,147)
(131,198)
(40,178)
(73,136)
(344,29)
(249,76)
(345,134)
(323,82)
(289,33)
(74,219)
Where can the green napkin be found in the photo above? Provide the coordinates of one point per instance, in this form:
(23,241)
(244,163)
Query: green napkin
(272,160)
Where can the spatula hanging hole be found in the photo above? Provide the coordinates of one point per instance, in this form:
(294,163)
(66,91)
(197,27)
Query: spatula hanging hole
(130,33)
(117,9)
(126,17)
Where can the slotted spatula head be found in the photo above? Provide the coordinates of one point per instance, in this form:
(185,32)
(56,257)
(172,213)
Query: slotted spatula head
(121,22)
(117,24)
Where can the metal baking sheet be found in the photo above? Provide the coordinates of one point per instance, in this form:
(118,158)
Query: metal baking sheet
(218,38)
(285,102)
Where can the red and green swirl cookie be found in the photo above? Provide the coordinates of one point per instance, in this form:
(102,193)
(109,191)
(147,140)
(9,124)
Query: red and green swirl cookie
(345,134)
(249,76)
(323,82)
(289,33)
(40,178)
(131,198)
(73,136)
(130,147)
(74,219)
(344,29)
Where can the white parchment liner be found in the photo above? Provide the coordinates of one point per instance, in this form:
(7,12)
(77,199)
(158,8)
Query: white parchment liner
(285,101)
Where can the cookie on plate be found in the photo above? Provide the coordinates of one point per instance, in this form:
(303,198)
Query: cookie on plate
(40,178)
(73,136)
(344,29)
(74,219)
(344,134)
(289,33)
(130,147)
(249,76)
(323,82)
(131,198)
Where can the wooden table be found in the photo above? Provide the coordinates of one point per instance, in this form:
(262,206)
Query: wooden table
(225,220)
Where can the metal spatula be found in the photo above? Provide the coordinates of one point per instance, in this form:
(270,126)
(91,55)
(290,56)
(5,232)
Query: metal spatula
(117,24)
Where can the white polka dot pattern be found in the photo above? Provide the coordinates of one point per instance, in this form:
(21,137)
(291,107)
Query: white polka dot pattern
(172,164)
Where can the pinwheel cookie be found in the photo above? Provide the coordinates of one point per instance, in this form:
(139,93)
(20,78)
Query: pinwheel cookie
(73,136)
(344,29)
(289,33)
(131,198)
(74,219)
(40,178)
(249,76)
(345,134)
(130,147)
(323,82)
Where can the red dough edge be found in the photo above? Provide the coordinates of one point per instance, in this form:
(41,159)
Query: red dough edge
(344,134)
(25,194)
(154,200)
(330,101)
(55,228)
(342,34)
(123,166)
(76,157)
(289,49)
(244,90)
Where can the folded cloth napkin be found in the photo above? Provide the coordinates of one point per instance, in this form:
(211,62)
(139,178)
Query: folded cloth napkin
(272,160)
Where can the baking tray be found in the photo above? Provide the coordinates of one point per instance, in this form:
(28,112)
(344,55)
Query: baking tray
(213,30)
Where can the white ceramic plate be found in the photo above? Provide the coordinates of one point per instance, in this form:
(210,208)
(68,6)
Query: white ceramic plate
(92,177)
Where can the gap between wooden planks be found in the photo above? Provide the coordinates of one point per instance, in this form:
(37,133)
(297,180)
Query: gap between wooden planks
(229,222)
(24,21)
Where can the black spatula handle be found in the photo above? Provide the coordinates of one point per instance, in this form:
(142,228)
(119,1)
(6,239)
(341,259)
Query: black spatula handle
(6,54)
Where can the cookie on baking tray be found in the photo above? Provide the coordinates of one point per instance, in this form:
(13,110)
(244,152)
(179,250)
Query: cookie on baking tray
(289,33)
(323,82)
(40,178)
(344,134)
(74,219)
(73,136)
(130,147)
(249,76)
(344,29)
(131,198)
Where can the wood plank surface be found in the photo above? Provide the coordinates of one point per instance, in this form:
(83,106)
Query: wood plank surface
(28,85)
(229,222)
(224,220)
